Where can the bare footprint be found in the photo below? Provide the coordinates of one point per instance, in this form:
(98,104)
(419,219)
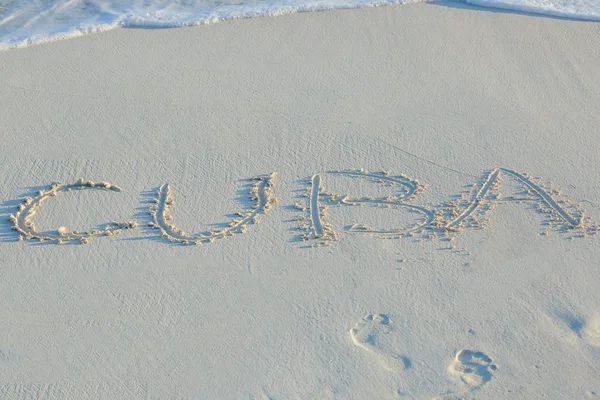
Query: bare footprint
(474,368)
(367,334)
(591,332)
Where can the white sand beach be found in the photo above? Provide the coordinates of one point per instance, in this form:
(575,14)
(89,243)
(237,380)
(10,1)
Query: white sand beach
(374,121)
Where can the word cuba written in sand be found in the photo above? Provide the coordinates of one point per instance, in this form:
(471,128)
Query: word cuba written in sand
(442,222)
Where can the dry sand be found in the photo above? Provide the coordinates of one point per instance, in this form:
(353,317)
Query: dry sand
(508,308)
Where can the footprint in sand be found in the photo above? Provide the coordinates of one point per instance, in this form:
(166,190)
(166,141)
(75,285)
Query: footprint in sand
(369,333)
(591,332)
(474,368)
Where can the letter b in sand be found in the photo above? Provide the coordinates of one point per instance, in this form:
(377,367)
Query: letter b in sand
(320,200)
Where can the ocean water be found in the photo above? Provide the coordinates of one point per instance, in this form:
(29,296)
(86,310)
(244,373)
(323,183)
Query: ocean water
(27,22)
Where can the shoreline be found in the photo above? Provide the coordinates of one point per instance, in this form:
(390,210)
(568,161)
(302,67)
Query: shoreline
(225,15)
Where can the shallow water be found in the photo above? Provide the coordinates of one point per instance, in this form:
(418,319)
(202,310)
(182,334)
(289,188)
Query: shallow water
(23,23)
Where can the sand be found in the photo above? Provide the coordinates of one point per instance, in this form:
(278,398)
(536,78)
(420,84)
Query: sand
(374,121)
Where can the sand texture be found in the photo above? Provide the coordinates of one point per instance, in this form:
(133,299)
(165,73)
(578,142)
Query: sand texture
(397,202)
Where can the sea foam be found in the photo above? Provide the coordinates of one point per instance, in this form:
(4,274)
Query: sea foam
(24,23)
